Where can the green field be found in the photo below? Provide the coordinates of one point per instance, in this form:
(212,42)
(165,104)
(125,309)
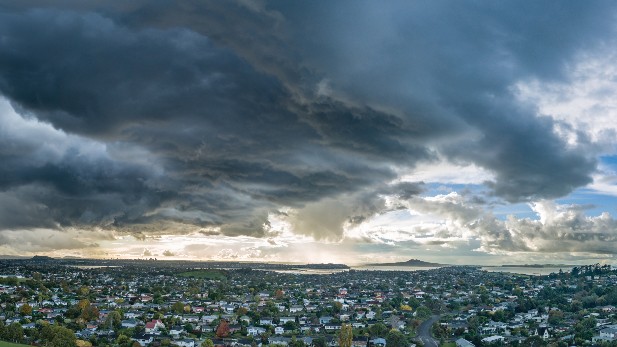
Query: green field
(10,344)
(208,274)
(449,344)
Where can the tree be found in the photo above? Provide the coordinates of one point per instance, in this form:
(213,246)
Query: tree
(83,291)
(345,336)
(378,329)
(123,341)
(83,303)
(337,306)
(83,343)
(14,332)
(423,312)
(62,337)
(555,317)
(535,341)
(57,336)
(90,313)
(178,307)
(290,325)
(319,341)
(25,310)
(113,320)
(207,343)
(405,308)
(584,328)
(223,329)
(396,338)
(413,302)
(295,342)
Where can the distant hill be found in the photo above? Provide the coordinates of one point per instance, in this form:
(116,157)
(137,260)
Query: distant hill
(41,258)
(540,265)
(410,262)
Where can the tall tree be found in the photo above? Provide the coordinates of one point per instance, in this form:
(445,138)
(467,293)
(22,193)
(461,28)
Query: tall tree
(345,336)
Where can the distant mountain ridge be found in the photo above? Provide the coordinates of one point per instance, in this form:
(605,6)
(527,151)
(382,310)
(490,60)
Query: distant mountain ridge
(410,262)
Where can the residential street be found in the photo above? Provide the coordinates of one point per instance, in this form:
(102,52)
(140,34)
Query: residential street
(424,332)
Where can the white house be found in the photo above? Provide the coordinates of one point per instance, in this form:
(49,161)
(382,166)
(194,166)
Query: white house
(144,340)
(255,331)
(296,308)
(492,339)
(184,343)
(265,321)
(176,331)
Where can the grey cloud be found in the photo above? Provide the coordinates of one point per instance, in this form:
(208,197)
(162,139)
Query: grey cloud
(558,229)
(197,109)
(449,69)
(211,115)
(27,241)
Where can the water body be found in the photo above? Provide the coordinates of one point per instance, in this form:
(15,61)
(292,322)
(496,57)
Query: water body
(394,268)
(526,270)
(307,271)
(358,268)
(523,270)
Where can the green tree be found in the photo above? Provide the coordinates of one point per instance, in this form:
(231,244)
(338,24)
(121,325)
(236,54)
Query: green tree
(395,338)
(378,329)
(319,341)
(584,328)
(178,307)
(207,343)
(423,312)
(123,341)
(14,332)
(345,336)
(295,342)
(25,310)
(113,320)
(555,317)
(62,337)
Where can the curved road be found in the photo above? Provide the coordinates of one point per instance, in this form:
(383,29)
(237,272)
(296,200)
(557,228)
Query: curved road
(424,332)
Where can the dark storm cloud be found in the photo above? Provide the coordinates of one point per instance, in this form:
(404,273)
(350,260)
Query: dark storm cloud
(232,141)
(450,69)
(243,108)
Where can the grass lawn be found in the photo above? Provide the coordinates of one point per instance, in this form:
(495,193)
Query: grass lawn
(10,344)
(204,274)
(449,344)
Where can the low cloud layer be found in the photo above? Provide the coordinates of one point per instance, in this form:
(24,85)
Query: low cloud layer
(554,229)
(159,118)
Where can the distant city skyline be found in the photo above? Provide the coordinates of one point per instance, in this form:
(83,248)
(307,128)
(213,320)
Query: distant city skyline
(353,132)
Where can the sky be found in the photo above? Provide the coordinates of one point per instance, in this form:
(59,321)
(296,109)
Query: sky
(458,132)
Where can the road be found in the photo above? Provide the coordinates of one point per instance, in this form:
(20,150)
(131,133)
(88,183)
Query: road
(424,332)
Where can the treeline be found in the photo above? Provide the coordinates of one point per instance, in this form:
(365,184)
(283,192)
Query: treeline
(46,335)
(590,270)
